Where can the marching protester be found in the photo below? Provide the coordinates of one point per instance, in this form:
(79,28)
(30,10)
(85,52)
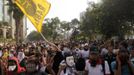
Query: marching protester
(96,65)
(14,68)
(85,51)
(100,42)
(123,64)
(67,66)
(39,58)
(110,57)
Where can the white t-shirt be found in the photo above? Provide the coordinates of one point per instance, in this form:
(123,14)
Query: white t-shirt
(98,70)
(84,54)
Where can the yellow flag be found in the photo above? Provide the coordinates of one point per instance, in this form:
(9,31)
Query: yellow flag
(35,10)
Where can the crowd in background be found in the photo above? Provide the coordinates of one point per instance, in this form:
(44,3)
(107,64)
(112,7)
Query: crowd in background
(68,58)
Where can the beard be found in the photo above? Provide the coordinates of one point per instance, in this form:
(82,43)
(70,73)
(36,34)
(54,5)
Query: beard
(86,49)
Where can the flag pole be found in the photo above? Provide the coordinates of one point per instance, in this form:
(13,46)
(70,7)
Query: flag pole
(43,37)
(49,42)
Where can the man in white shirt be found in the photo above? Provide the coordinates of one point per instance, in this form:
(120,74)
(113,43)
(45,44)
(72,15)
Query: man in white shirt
(95,65)
(85,52)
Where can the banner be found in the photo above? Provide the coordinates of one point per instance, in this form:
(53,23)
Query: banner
(35,10)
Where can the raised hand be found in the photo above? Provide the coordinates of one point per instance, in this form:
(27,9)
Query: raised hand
(118,60)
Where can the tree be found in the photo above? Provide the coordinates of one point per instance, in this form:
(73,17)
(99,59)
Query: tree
(49,28)
(89,21)
(75,23)
(115,15)
(110,18)
(54,29)
(18,16)
(65,25)
(34,36)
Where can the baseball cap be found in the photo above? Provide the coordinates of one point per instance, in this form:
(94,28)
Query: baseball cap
(94,49)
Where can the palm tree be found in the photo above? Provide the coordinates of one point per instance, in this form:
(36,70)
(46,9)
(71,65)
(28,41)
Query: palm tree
(18,17)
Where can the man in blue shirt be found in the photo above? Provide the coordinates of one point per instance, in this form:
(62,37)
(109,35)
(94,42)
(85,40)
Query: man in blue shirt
(123,64)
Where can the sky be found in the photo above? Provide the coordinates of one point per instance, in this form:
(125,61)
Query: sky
(66,10)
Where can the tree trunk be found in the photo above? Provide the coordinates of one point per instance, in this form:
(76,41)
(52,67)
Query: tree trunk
(12,26)
(19,30)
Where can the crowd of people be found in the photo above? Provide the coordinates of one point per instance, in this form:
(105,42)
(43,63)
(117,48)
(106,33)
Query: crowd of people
(68,58)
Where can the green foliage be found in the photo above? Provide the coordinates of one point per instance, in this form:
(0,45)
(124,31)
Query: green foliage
(34,36)
(49,28)
(65,25)
(90,21)
(54,29)
(110,18)
(115,15)
(74,23)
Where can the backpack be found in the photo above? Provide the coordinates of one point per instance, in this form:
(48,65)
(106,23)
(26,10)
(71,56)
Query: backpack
(80,64)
